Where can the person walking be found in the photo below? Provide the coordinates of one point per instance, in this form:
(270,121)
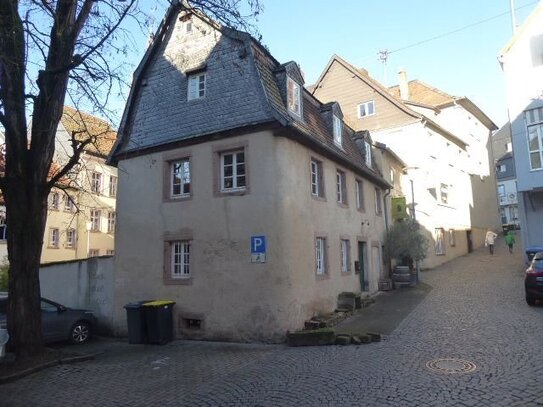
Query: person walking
(489,240)
(510,240)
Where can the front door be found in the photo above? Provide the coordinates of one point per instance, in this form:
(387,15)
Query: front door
(362,266)
(470,242)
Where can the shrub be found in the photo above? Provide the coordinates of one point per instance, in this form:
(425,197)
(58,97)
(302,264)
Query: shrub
(4,268)
(405,243)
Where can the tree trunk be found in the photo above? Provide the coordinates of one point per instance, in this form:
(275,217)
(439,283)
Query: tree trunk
(26,209)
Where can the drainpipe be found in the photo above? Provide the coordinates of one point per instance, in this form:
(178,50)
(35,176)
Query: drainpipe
(385,196)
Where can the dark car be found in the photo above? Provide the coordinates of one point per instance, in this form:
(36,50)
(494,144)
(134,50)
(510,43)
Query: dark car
(59,323)
(533,281)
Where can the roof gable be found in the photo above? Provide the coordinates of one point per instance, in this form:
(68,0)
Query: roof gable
(423,93)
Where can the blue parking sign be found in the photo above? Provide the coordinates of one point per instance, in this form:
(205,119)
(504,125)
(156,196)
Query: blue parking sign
(258,244)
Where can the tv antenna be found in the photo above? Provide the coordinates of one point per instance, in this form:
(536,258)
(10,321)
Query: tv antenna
(382,55)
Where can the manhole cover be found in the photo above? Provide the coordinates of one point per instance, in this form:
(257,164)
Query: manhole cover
(451,366)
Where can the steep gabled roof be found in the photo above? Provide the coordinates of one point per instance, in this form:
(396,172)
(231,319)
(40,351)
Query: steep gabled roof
(362,74)
(84,126)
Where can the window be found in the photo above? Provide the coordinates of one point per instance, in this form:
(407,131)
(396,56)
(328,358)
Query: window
(53,238)
(68,204)
(180,178)
(440,247)
(535,146)
(378,207)
(366,109)
(112,186)
(197,86)
(54,200)
(337,131)
(96,182)
(501,191)
(502,168)
(188,27)
(452,237)
(70,238)
(111,222)
(94,252)
(341,188)
(293,97)
(233,176)
(320,256)
(180,258)
(110,252)
(508,146)
(345,253)
(359,194)
(367,155)
(317,188)
(95,220)
(444,193)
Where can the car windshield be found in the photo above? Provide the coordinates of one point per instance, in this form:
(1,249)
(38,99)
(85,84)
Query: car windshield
(538,264)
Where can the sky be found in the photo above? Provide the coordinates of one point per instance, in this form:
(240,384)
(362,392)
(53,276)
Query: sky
(452,46)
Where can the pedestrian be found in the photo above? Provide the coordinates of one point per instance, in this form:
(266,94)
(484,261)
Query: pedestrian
(510,240)
(489,240)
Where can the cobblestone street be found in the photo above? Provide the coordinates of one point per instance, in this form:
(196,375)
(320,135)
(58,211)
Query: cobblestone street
(476,312)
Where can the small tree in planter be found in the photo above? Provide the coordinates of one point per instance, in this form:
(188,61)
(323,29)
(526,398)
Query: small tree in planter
(405,243)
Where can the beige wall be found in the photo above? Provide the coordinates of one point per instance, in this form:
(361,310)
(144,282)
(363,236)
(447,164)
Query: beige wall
(237,299)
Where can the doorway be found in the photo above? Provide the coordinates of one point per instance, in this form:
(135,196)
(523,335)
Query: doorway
(362,266)
(470,241)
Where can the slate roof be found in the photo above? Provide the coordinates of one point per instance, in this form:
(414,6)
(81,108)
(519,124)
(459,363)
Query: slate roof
(86,125)
(312,129)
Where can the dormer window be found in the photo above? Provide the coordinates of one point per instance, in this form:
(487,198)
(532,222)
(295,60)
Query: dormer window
(197,86)
(337,131)
(293,97)
(367,148)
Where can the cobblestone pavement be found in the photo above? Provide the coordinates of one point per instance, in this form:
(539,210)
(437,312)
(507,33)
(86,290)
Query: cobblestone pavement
(475,312)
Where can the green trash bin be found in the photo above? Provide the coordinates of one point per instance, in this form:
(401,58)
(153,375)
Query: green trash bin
(159,321)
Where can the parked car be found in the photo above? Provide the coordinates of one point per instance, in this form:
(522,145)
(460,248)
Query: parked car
(59,323)
(533,281)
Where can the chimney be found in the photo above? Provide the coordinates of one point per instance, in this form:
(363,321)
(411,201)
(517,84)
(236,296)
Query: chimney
(404,86)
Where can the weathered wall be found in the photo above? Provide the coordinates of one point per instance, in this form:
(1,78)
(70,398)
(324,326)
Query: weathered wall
(86,284)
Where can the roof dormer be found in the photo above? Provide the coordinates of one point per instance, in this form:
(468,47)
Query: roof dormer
(333,117)
(291,82)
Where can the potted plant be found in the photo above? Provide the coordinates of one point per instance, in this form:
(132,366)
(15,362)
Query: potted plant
(405,244)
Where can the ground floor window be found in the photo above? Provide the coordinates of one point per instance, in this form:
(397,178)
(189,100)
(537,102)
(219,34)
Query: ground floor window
(345,253)
(439,246)
(320,256)
(180,259)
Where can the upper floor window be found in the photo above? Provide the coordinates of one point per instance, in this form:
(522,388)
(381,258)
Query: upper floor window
(70,238)
(501,191)
(180,178)
(53,237)
(444,193)
(337,131)
(502,168)
(359,188)
(112,186)
(54,200)
(316,178)
(535,146)
(111,222)
(293,97)
(69,204)
(378,203)
(341,187)
(197,86)
(366,109)
(233,175)
(96,182)
(95,216)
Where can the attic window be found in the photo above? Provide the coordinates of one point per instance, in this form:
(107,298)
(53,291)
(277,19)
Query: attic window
(367,157)
(366,109)
(293,97)
(337,131)
(197,86)
(188,27)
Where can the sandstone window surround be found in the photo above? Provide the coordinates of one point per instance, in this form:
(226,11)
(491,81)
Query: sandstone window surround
(366,109)
(178,258)
(294,101)
(317,178)
(197,88)
(180,178)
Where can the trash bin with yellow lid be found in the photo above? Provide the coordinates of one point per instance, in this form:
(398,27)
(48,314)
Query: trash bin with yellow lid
(159,321)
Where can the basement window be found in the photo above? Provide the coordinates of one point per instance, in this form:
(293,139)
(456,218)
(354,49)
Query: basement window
(192,323)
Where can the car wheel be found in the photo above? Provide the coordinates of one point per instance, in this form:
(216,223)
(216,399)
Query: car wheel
(80,332)
(530,301)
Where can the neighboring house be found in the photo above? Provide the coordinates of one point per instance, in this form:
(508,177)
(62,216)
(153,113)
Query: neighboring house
(522,63)
(241,197)
(81,207)
(444,142)
(507,191)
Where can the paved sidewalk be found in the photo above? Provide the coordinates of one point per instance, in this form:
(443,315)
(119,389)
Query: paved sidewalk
(475,313)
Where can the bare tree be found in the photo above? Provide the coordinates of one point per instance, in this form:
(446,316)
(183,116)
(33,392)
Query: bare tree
(51,49)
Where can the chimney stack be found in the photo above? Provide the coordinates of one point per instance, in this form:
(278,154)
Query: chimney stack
(404,86)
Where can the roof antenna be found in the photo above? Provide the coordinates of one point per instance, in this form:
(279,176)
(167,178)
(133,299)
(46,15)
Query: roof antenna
(382,55)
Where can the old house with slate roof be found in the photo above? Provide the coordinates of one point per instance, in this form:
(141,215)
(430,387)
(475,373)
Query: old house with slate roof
(241,196)
(449,179)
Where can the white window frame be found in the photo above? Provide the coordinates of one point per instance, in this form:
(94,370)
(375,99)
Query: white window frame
(501,190)
(444,193)
(95,219)
(364,110)
(54,238)
(96,182)
(180,177)
(112,186)
(71,238)
(180,253)
(294,97)
(367,153)
(320,256)
(315,167)
(338,136)
(539,149)
(502,168)
(196,86)
(345,255)
(69,203)
(111,219)
(341,189)
(54,200)
(359,189)
(236,177)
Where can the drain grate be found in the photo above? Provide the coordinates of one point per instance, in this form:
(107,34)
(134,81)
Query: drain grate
(451,366)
